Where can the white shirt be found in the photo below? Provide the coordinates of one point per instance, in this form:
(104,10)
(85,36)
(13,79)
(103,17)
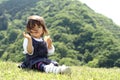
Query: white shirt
(25,42)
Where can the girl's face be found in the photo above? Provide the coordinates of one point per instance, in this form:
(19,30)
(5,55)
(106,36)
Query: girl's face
(36,32)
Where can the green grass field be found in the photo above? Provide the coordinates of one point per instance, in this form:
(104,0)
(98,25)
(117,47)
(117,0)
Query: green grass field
(9,71)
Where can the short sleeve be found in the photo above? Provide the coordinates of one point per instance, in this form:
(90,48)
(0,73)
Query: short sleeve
(51,51)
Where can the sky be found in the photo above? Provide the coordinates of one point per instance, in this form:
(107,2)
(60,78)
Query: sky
(109,8)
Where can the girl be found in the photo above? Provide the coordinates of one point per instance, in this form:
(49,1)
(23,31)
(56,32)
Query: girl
(38,48)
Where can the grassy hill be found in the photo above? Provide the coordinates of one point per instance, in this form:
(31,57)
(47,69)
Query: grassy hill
(9,71)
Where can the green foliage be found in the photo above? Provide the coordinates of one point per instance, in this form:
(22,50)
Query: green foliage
(105,62)
(12,35)
(117,63)
(80,36)
(62,49)
(1,35)
(3,23)
(70,61)
(87,56)
(93,63)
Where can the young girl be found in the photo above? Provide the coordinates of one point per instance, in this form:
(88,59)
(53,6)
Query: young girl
(38,48)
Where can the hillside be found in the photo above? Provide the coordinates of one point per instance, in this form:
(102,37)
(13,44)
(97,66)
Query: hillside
(11,72)
(81,36)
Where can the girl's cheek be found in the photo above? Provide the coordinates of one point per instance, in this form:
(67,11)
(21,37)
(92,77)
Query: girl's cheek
(41,32)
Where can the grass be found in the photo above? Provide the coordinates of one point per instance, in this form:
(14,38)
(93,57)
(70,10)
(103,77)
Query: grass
(9,71)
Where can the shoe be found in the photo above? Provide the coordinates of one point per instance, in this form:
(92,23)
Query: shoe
(52,69)
(57,69)
(22,65)
(65,70)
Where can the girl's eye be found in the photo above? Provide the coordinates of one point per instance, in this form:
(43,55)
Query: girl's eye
(35,30)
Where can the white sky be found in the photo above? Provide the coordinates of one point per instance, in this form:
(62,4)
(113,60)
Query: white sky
(109,8)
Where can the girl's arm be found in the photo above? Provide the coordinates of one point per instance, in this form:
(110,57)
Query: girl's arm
(28,46)
(48,41)
(50,46)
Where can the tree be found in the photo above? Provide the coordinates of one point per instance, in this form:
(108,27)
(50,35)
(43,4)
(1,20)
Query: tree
(117,63)
(3,23)
(105,62)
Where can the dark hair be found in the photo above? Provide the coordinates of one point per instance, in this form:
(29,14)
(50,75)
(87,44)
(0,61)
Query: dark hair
(36,20)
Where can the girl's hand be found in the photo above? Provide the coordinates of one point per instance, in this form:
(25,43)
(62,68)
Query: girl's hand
(26,35)
(49,41)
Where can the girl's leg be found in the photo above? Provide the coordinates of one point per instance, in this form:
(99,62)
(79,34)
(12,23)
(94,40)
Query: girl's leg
(40,66)
(51,68)
(55,63)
